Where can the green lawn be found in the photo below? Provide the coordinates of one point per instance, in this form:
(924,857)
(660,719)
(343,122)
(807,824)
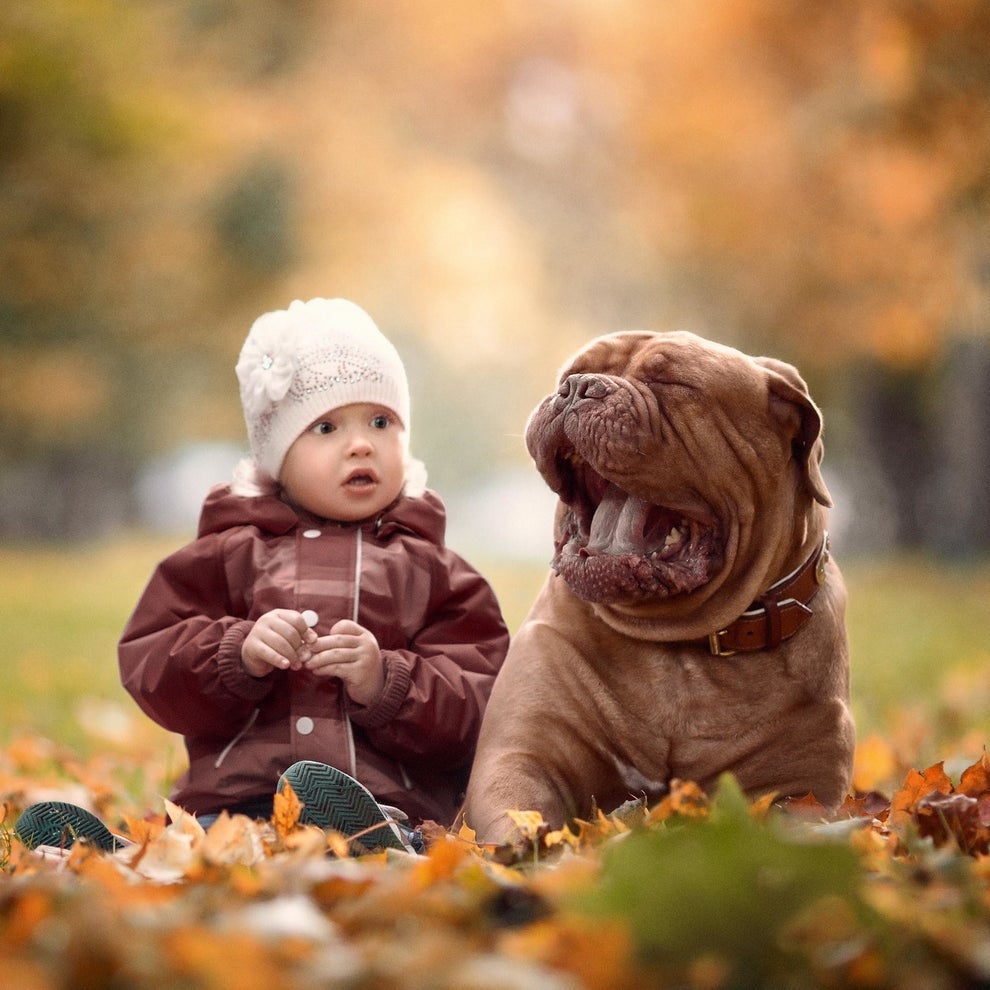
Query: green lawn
(920,658)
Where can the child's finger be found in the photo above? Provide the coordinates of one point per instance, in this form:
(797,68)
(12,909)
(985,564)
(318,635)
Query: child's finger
(345,627)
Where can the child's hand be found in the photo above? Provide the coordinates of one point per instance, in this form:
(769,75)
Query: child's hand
(279,640)
(351,653)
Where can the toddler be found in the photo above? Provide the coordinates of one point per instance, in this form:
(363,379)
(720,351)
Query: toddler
(317,630)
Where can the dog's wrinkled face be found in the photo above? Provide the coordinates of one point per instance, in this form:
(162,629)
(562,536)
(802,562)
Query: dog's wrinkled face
(661,448)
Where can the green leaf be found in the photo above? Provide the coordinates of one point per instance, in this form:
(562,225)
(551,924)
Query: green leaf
(725,888)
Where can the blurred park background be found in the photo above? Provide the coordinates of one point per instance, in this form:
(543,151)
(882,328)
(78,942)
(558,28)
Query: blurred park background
(495,183)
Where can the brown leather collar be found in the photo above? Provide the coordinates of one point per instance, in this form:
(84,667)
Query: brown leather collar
(778,613)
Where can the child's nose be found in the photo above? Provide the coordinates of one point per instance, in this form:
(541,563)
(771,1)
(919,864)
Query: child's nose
(361,442)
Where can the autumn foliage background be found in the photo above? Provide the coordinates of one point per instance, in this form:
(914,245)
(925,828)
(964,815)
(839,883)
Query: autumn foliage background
(495,183)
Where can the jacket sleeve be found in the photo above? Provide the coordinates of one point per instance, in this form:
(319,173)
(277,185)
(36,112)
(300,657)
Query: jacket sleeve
(180,653)
(436,690)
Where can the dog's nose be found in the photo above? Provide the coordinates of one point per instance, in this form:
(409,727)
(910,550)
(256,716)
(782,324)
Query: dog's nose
(574,388)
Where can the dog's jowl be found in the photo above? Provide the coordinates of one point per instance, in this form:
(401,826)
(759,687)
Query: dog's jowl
(693,619)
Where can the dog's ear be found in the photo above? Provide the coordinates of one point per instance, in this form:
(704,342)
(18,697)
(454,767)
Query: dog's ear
(787,387)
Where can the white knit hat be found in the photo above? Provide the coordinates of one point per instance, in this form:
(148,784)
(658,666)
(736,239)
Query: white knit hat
(316,356)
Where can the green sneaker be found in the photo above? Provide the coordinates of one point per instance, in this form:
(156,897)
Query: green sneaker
(59,824)
(333,800)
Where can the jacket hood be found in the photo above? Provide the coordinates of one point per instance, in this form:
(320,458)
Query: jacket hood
(423,515)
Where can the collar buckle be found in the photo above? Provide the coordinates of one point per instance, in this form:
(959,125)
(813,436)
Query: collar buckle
(715,644)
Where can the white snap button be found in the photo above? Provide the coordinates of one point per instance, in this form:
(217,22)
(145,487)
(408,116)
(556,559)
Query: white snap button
(311,534)
(305,725)
(310,618)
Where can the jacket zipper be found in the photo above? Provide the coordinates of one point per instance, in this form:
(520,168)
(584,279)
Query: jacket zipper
(351,749)
(225,752)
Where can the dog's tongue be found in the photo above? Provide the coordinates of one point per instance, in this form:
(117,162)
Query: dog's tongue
(618,523)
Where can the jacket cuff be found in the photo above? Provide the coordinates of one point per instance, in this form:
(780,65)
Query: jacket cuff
(233,676)
(398,677)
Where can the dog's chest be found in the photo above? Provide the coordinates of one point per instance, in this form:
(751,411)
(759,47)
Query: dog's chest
(684,693)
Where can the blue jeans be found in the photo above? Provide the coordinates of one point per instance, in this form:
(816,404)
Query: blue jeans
(258,808)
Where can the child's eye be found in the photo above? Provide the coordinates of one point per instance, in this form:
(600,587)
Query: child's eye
(381,421)
(324,427)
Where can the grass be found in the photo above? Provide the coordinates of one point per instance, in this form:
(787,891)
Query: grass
(920,657)
(62,611)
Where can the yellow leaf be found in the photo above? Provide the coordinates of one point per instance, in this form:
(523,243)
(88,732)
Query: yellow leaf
(183,821)
(599,827)
(529,823)
(685,798)
(561,836)
(760,808)
(168,858)
(338,845)
(232,839)
(286,810)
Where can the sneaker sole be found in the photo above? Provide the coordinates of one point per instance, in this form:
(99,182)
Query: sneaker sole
(333,800)
(60,824)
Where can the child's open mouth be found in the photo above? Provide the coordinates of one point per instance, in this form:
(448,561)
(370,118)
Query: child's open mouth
(361,479)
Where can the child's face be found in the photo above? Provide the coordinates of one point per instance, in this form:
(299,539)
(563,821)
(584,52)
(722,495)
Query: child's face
(348,464)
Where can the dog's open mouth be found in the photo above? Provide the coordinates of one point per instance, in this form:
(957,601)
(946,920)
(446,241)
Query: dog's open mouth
(614,546)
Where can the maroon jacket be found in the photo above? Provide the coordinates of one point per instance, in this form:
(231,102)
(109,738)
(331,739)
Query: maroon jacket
(436,620)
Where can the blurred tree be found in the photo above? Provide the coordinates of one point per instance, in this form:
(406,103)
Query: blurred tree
(128,236)
(810,182)
(495,183)
(827,169)
(958,513)
(252,217)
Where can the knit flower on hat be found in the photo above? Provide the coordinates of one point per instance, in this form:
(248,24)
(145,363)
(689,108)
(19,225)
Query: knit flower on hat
(267,363)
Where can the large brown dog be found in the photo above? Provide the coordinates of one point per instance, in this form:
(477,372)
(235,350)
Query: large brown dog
(693,620)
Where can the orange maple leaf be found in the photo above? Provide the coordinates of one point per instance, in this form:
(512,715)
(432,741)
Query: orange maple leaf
(144,829)
(808,808)
(918,785)
(975,780)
